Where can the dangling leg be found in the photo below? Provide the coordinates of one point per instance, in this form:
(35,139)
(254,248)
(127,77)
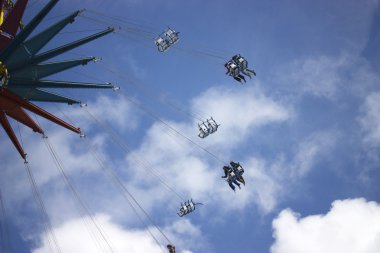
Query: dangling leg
(231,185)
(241,180)
(252,71)
(171,248)
(237,79)
(235,182)
(242,77)
(247,74)
(225,172)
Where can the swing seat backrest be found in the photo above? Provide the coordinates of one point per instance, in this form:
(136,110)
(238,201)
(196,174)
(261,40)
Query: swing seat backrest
(233,68)
(161,44)
(242,63)
(172,36)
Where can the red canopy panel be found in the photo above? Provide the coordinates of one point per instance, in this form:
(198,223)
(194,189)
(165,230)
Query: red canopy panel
(37,110)
(13,110)
(11,23)
(8,129)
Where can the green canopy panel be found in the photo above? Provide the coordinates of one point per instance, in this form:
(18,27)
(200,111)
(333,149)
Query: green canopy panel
(26,83)
(28,29)
(36,72)
(32,94)
(29,48)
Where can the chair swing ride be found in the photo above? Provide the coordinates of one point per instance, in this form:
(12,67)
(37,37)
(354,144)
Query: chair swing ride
(23,68)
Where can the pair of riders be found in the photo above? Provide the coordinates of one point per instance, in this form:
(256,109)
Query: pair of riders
(234,174)
(238,65)
(171,248)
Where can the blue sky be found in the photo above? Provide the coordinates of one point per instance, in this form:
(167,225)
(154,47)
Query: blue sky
(306,129)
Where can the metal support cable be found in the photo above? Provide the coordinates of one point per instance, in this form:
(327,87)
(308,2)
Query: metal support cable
(85,210)
(117,140)
(50,236)
(4,230)
(75,193)
(122,20)
(170,127)
(148,35)
(112,175)
(119,184)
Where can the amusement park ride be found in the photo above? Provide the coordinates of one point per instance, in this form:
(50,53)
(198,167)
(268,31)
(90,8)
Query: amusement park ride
(23,68)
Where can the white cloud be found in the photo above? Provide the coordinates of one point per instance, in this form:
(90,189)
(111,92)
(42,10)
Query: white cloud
(351,225)
(318,76)
(240,112)
(271,181)
(184,166)
(73,237)
(117,111)
(190,170)
(184,235)
(330,77)
(370,121)
(310,150)
(79,164)
(262,187)
(112,110)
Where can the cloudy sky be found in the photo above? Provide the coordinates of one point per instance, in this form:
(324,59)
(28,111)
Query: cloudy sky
(306,129)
